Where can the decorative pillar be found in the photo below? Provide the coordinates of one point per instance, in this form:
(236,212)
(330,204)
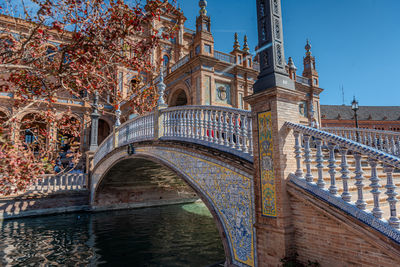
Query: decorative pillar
(274,102)
(158,119)
(95,123)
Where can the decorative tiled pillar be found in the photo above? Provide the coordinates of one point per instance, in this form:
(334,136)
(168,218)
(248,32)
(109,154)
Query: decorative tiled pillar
(274,160)
(274,102)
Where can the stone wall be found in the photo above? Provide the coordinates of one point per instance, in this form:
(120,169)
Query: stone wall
(43,204)
(326,235)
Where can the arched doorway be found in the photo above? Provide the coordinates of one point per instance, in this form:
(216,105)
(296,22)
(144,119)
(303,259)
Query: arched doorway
(179,98)
(34,131)
(103,131)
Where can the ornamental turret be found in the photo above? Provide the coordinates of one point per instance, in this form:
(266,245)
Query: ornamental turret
(203,40)
(310,70)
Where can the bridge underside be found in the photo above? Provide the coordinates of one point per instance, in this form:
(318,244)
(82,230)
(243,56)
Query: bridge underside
(137,182)
(223,182)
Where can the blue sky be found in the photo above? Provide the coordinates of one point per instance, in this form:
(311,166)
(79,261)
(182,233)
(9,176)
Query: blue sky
(356,42)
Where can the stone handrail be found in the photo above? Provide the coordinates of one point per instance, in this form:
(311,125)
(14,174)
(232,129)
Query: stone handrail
(256,66)
(54,183)
(386,141)
(303,80)
(224,57)
(187,30)
(226,129)
(313,145)
(180,63)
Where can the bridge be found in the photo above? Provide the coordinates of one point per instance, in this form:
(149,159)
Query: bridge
(211,148)
(276,184)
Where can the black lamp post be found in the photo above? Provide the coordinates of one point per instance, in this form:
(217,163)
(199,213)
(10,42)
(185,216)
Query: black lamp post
(354,107)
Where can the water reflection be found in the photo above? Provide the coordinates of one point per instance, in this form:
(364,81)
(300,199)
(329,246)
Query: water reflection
(181,235)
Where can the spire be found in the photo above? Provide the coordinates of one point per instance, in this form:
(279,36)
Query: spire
(203,5)
(246,48)
(236,45)
(308,48)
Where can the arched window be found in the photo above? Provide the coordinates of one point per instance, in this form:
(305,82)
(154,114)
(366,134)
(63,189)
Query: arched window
(165,61)
(50,52)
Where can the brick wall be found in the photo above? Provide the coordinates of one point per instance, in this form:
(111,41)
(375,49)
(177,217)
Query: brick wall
(330,237)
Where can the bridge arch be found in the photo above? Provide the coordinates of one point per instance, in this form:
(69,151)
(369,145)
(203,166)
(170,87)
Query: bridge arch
(224,188)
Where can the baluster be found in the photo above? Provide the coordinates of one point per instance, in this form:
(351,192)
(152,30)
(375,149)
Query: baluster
(231,129)
(387,144)
(174,124)
(202,124)
(392,145)
(376,211)
(225,126)
(208,130)
(307,158)
(220,139)
(190,123)
(392,199)
(297,151)
(320,165)
(250,134)
(196,124)
(346,196)
(237,130)
(244,133)
(360,203)
(164,116)
(180,122)
(212,122)
(332,168)
(215,127)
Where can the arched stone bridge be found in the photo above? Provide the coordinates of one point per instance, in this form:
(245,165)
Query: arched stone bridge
(210,148)
(274,202)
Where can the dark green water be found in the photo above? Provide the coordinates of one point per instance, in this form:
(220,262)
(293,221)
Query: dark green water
(179,235)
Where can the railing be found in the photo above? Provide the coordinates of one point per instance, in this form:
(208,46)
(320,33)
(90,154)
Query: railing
(189,31)
(224,57)
(256,66)
(180,63)
(313,145)
(303,80)
(386,141)
(226,129)
(51,183)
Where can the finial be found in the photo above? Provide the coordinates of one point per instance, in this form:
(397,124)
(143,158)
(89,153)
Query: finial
(179,8)
(308,47)
(246,48)
(291,64)
(203,5)
(161,89)
(236,44)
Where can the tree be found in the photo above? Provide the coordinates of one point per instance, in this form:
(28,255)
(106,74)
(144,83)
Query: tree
(68,49)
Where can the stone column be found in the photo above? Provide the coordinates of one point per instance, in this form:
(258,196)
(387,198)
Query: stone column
(274,102)
(94,123)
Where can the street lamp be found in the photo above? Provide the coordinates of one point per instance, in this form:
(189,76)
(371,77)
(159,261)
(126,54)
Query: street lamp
(354,107)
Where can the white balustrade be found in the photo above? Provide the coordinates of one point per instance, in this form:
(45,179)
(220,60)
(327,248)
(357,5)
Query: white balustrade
(227,129)
(356,160)
(386,141)
(55,183)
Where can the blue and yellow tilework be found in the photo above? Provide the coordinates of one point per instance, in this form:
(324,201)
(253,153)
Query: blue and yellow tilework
(228,190)
(268,188)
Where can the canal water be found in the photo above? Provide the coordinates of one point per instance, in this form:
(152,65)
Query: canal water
(178,235)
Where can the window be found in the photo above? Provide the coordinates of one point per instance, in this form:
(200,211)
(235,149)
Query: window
(239,59)
(50,52)
(249,62)
(197,50)
(207,48)
(315,81)
(165,61)
(241,100)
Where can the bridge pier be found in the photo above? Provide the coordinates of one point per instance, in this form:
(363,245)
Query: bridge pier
(273,162)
